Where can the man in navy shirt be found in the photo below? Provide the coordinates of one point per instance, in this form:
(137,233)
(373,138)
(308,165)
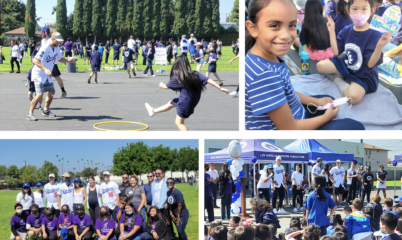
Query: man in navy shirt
(208,202)
(148,189)
(107,48)
(128,59)
(149,52)
(116,51)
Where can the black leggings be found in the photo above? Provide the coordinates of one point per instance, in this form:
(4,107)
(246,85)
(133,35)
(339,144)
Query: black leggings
(210,208)
(264,192)
(366,190)
(14,59)
(351,193)
(281,191)
(22,56)
(94,213)
(297,193)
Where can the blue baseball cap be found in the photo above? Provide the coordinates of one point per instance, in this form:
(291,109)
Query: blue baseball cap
(26,185)
(45,29)
(270,165)
(77,179)
(399,199)
(94,41)
(39,184)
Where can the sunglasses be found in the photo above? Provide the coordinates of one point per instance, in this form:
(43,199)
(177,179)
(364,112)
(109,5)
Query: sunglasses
(171,183)
(150,176)
(125,177)
(25,187)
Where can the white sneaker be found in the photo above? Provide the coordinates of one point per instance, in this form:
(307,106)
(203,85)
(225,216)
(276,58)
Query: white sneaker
(145,75)
(282,211)
(233,94)
(150,110)
(153,75)
(300,209)
(275,211)
(295,210)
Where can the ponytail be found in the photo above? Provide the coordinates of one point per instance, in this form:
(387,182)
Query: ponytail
(320,183)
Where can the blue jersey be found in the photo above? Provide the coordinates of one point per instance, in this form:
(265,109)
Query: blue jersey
(100,50)
(319,209)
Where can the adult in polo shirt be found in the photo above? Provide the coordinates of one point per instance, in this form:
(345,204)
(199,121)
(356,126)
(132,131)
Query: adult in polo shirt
(51,189)
(159,195)
(44,62)
(110,193)
(278,185)
(125,184)
(316,170)
(66,193)
(337,178)
(214,176)
(382,181)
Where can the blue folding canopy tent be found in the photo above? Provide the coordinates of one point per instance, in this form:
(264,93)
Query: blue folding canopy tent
(398,159)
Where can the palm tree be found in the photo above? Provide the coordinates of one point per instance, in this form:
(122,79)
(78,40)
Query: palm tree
(74,170)
(57,157)
(82,160)
(59,165)
(88,162)
(63,164)
(92,162)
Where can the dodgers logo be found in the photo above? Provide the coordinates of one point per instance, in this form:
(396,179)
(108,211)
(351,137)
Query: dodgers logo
(170,200)
(278,171)
(271,147)
(126,53)
(369,178)
(354,56)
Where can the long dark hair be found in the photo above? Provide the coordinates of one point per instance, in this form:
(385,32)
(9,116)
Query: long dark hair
(326,167)
(320,183)
(182,73)
(300,168)
(315,26)
(135,212)
(29,193)
(341,9)
(336,220)
(107,216)
(225,167)
(41,191)
(158,216)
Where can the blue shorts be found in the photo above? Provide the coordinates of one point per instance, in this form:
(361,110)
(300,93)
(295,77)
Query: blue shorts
(115,56)
(41,87)
(212,69)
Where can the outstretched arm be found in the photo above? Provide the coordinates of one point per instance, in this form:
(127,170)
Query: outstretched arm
(212,82)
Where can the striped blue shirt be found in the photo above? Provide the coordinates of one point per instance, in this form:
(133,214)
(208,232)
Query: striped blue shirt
(268,87)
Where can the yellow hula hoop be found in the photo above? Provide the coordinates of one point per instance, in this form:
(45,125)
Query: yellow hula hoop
(101,129)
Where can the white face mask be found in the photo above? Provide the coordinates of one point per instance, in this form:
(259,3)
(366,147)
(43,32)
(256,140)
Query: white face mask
(19,211)
(335,103)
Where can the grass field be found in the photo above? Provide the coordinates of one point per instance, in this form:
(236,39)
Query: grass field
(222,64)
(390,183)
(190,198)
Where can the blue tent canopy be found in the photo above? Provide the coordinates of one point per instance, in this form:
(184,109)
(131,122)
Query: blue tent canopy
(316,150)
(263,150)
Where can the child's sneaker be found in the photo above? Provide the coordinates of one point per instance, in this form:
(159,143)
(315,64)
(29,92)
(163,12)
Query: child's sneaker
(282,211)
(129,75)
(31,117)
(275,211)
(145,75)
(233,94)
(48,114)
(63,95)
(89,80)
(150,110)
(153,75)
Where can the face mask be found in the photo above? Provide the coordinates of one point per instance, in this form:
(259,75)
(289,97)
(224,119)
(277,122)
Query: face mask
(335,103)
(63,210)
(18,211)
(103,213)
(48,214)
(359,19)
(80,213)
(129,213)
(34,211)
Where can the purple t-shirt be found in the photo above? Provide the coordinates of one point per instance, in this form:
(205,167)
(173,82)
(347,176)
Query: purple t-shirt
(35,222)
(19,221)
(137,222)
(105,226)
(66,221)
(208,190)
(68,46)
(51,225)
(228,186)
(84,222)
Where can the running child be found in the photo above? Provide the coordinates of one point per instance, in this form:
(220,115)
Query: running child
(363,52)
(128,59)
(212,58)
(190,84)
(96,60)
(342,16)
(271,102)
(314,32)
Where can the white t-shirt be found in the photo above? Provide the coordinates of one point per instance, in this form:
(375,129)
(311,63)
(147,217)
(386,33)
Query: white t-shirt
(109,192)
(67,195)
(158,189)
(213,174)
(39,200)
(14,51)
(316,170)
(298,178)
(279,172)
(184,45)
(22,47)
(138,42)
(337,174)
(351,174)
(26,203)
(51,195)
(194,39)
(326,176)
(48,57)
(262,184)
(130,43)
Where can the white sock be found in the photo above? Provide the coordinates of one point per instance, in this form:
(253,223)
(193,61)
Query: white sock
(341,84)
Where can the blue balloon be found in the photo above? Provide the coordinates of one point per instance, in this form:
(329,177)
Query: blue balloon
(241,174)
(237,195)
(232,211)
(233,199)
(394,163)
(229,161)
(254,160)
(237,184)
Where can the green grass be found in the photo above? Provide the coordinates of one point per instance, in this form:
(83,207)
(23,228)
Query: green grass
(7,199)
(390,183)
(222,65)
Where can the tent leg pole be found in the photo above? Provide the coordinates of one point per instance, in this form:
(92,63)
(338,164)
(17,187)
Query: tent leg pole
(394,180)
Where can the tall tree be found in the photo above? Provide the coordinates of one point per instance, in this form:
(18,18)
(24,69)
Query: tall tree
(215,18)
(30,18)
(179,25)
(3,170)
(129,24)
(190,20)
(207,24)
(45,170)
(134,158)
(87,17)
(61,18)
(110,18)
(165,20)
(12,171)
(137,19)
(12,15)
(70,23)
(121,17)
(29,174)
(234,14)
(199,16)
(147,16)
(156,20)
(77,25)
(96,24)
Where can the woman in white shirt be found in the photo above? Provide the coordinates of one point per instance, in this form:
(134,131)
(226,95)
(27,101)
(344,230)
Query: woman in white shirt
(15,55)
(297,188)
(264,185)
(80,195)
(25,198)
(39,197)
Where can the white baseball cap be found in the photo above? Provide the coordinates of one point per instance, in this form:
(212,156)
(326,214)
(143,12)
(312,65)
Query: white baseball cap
(106,173)
(57,36)
(338,161)
(51,175)
(278,157)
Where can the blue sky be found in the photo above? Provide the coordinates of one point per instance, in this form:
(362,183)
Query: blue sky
(14,152)
(395,145)
(45,10)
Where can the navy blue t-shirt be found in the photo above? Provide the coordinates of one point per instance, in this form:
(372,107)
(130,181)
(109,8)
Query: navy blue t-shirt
(212,56)
(116,47)
(358,48)
(382,175)
(87,48)
(175,197)
(208,190)
(107,47)
(341,22)
(393,236)
(128,55)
